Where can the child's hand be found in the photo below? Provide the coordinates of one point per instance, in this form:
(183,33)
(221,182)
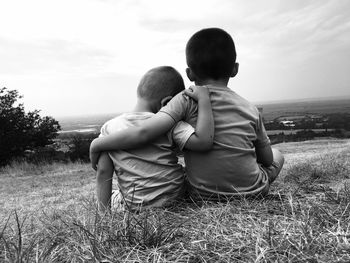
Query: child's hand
(197,92)
(94,155)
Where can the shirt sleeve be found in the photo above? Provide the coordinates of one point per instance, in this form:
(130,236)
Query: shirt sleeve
(114,125)
(176,107)
(103,131)
(181,132)
(262,138)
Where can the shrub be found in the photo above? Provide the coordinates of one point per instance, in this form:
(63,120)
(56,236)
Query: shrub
(79,148)
(21,131)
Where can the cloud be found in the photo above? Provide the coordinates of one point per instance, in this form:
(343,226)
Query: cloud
(300,46)
(304,29)
(81,94)
(50,56)
(166,25)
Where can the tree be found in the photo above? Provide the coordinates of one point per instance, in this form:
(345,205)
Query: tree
(21,131)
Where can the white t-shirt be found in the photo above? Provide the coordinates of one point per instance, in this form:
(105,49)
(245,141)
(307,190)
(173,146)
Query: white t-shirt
(149,175)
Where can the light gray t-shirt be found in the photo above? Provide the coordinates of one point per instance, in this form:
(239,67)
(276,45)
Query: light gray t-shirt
(149,175)
(230,167)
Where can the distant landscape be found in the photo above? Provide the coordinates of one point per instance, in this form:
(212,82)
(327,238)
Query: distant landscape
(89,123)
(284,121)
(271,111)
(288,108)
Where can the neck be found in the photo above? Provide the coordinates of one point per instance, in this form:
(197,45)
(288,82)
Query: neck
(143,106)
(220,82)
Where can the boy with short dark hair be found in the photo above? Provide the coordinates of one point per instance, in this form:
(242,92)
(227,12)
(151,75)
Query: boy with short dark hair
(241,161)
(150,175)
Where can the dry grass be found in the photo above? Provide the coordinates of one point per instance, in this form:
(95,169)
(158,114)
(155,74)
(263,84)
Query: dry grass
(305,219)
(30,188)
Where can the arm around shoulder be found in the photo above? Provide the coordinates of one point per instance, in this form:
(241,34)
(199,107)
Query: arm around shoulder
(262,145)
(264,155)
(202,139)
(132,137)
(135,136)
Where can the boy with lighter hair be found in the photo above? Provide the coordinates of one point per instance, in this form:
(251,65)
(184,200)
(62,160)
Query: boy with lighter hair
(241,162)
(150,174)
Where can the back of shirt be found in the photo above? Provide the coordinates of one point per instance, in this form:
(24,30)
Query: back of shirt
(149,175)
(231,166)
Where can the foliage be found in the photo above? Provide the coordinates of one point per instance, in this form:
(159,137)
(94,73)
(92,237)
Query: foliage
(79,148)
(339,121)
(306,135)
(43,155)
(21,131)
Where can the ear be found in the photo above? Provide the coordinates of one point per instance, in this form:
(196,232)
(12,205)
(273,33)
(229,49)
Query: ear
(191,76)
(235,70)
(165,100)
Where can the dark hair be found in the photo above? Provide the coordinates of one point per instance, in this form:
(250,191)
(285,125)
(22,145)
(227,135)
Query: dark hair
(211,53)
(159,83)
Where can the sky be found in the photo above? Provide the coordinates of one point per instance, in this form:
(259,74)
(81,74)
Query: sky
(83,57)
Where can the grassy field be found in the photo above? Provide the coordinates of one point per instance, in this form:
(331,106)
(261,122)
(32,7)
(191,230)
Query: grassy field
(48,214)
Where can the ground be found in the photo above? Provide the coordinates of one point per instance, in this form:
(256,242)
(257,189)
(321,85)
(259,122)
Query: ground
(306,217)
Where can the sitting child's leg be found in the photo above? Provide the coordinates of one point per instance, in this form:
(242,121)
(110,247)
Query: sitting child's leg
(104,177)
(274,169)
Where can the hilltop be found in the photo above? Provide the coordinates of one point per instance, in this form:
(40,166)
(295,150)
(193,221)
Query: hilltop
(306,217)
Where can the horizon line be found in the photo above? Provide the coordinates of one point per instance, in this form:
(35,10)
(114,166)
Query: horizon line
(257,103)
(331,98)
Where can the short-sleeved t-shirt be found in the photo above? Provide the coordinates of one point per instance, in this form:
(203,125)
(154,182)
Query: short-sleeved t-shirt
(149,175)
(230,167)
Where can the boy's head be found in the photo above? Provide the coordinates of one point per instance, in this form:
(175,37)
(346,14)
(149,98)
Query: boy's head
(211,54)
(160,83)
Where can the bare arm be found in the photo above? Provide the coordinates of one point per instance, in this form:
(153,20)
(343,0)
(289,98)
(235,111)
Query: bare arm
(202,139)
(262,145)
(104,177)
(264,155)
(132,137)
